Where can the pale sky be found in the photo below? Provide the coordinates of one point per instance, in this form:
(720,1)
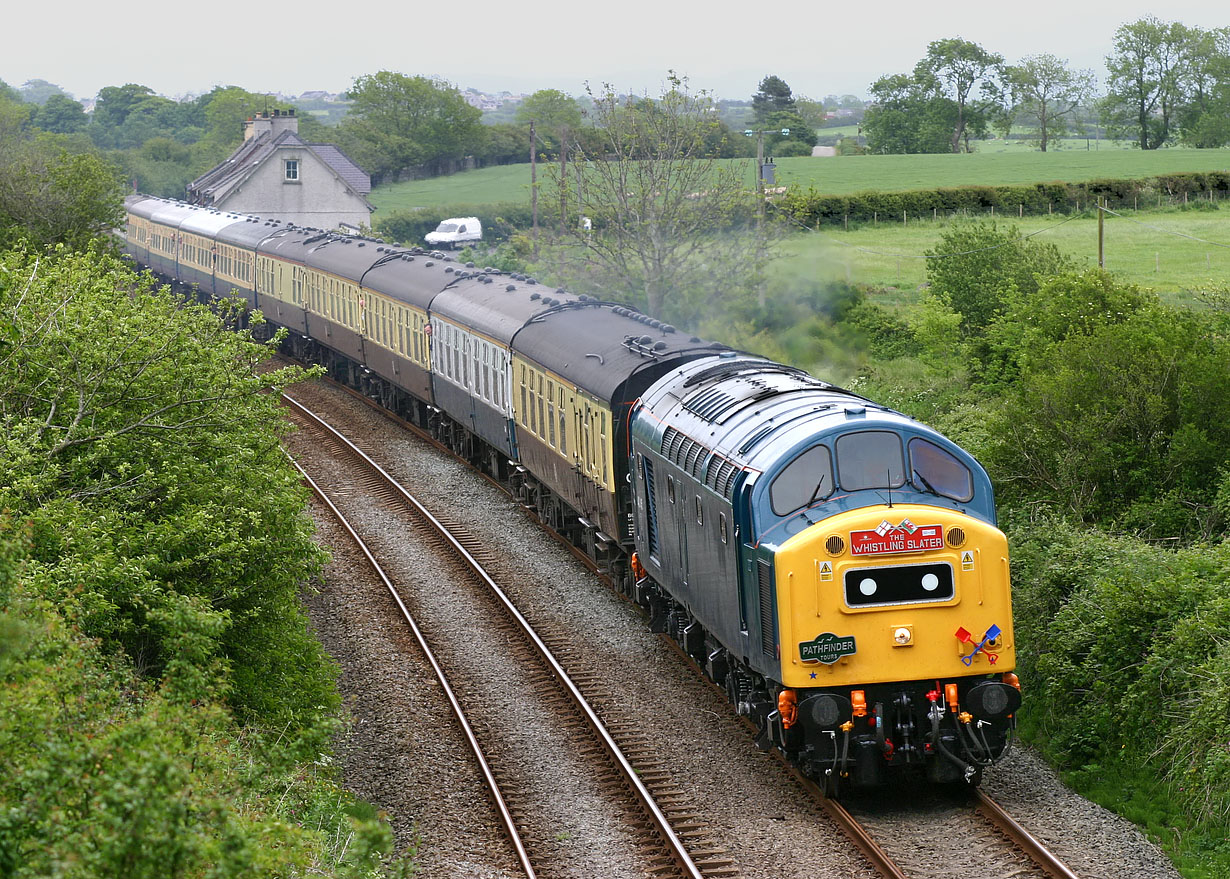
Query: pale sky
(819,48)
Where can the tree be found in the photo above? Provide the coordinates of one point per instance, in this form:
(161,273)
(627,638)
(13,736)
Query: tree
(223,114)
(775,109)
(969,76)
(127,116)
(503,144)
(660,202)
(49,195)
(37,91)
(60,114)
(976,266)
(1045,89)
(1205,120)
(811,112)
(163,699)
(772,96)
(399,121)
(114,103)
(908,115)
(553,114)
(1118,415)
(1146,85)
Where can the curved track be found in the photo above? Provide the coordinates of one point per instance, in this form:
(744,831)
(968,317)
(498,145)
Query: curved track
(634,774)
(1027,847)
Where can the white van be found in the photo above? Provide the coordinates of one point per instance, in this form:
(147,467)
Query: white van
(456,231)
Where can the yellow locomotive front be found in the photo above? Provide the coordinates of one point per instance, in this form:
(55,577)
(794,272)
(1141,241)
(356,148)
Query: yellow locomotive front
(895,632)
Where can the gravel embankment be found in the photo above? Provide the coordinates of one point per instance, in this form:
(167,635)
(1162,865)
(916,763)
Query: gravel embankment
(396,753)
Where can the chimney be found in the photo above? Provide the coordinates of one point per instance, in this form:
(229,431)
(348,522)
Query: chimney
(261,123)
(284,121)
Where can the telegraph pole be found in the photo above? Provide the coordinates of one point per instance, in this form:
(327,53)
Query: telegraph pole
(1101,223)
(760,196)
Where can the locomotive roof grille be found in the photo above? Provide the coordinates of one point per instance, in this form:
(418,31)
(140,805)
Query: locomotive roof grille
(708,404)
(726,367)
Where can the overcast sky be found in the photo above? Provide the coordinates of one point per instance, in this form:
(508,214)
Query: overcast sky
(819,48)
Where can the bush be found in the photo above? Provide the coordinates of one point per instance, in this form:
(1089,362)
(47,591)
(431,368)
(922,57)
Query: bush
(163,708)
(976,266)
(1118,413)
(1124,650)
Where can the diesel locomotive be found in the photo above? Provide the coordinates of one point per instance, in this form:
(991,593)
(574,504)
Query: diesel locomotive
(833,564)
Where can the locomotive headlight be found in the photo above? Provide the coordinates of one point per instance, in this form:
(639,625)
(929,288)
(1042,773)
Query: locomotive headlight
(903,636)
(828,710)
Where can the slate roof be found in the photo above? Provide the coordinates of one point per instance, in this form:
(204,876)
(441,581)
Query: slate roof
(356,178)
(216,184)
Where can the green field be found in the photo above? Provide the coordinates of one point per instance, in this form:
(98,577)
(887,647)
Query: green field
(1146,248)
(843,174)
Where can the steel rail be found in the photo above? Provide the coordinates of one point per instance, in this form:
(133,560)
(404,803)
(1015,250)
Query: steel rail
(1033,848)
(678,852)
(849,825)
(501,806)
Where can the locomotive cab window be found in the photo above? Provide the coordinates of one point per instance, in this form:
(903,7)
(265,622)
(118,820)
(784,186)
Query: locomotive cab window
(934,470)
(802,482)
(870,459)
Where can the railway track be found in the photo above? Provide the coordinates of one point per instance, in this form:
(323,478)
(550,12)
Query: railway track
(1027,854)
(670,836)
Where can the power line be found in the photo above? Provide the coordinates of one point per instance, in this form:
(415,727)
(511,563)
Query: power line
(1166,231)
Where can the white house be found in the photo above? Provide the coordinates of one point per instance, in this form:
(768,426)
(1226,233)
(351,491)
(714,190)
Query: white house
(275,175)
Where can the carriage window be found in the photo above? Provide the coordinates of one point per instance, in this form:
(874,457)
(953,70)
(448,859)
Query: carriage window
(805,480)
(551,414)
(870,459)
(934,470)
(542,418)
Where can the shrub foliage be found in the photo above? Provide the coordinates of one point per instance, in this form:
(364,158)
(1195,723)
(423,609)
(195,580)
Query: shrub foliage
(163,709)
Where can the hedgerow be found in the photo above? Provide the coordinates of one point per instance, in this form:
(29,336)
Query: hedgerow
(812,208)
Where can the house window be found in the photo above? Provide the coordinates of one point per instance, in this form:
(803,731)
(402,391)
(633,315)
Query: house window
(292,169)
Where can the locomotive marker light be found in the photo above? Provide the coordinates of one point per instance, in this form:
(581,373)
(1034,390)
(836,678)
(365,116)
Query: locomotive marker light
(903,636)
